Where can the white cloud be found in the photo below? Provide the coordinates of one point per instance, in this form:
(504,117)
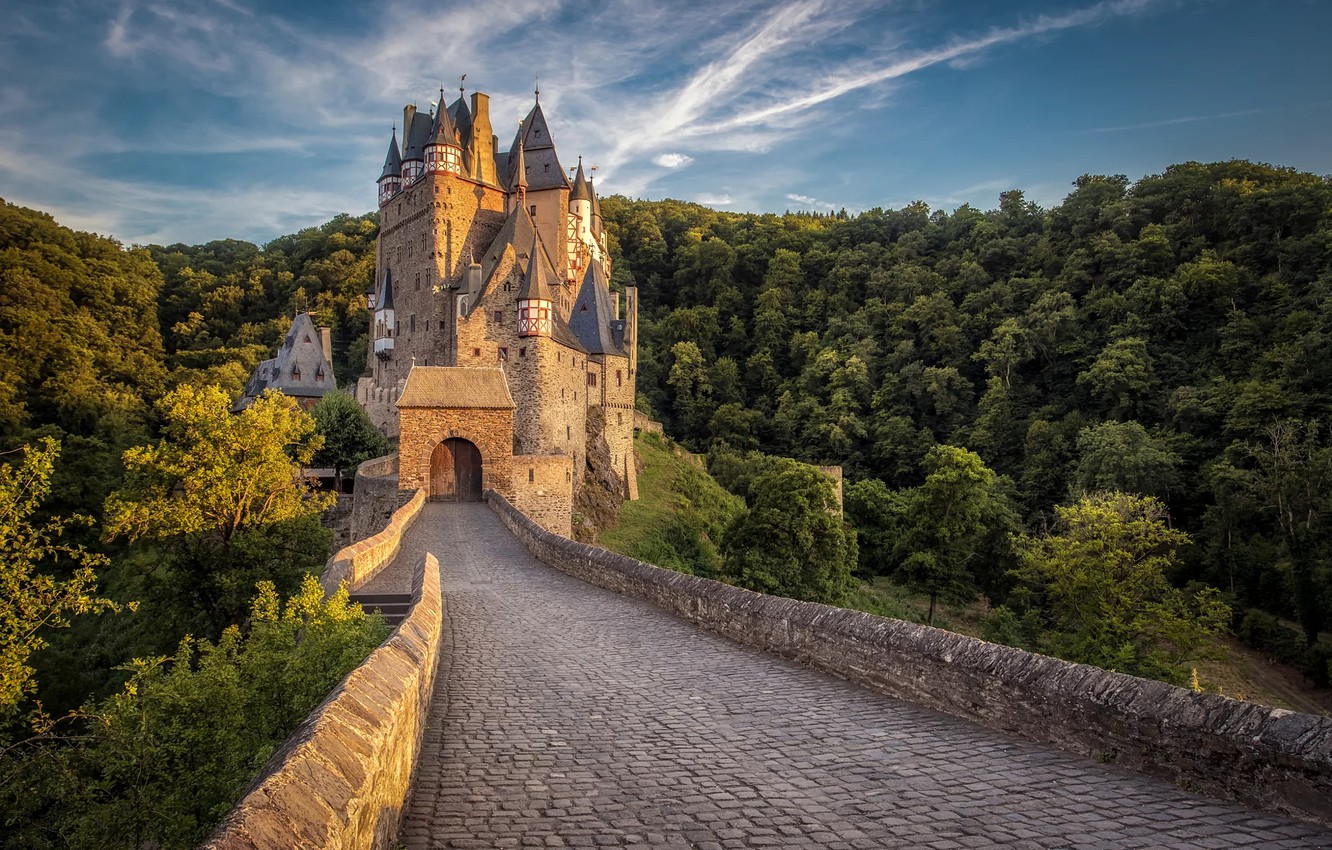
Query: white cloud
(710,200)
(673,160)
(811,202)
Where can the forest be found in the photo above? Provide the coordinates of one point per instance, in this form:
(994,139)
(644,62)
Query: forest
(1109,419)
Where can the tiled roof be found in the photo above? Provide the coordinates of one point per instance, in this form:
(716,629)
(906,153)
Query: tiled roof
(454,386)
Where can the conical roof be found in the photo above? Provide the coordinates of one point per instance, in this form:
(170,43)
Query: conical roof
(596,208)
(462,118)
(581,191)
(442,132)
(518,180)
(543,164)
(537,285)
(416,137)
(392,162)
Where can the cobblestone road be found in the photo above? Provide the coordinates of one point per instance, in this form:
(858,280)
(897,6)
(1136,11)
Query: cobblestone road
(569,716)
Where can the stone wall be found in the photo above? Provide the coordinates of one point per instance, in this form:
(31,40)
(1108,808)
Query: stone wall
(543,490)
(489,429)
(359,562)
(646,425)
(376,496)
(340,780)
(1270,758)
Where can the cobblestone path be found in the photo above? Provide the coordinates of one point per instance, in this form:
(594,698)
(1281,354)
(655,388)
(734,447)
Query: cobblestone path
(568,716)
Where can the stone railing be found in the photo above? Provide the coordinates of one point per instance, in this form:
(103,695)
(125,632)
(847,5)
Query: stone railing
(1270,758)
(377,495)
(356,564)
(340,780)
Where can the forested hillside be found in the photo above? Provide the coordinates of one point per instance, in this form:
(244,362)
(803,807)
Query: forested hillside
(1171,337)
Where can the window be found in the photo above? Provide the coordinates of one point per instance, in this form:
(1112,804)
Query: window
(522,352)
(295,373)
(619,419)
(546,170)
(503,354)
(499,317)
(476,352)
(319,374)
(568,433)
(307,339)
(532,210)
(617,377)
(591,379)
(531,474)
(413,323)
(418,281)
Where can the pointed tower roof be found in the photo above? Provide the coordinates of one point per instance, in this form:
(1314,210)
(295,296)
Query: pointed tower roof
(385,301)
(442,132)
(581,191)
(393,161)
(543,164)
(596,208)
(591,318)
(537,285)
(462,118)
(518,180)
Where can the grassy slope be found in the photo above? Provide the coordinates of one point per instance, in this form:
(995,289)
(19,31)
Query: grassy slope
(682,513)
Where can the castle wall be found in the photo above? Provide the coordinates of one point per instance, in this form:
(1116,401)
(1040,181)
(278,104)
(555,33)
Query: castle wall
(490,430)
(543,491)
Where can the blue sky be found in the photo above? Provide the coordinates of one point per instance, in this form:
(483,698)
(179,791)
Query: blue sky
(165,120)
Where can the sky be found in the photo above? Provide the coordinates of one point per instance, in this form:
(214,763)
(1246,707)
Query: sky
(161,121)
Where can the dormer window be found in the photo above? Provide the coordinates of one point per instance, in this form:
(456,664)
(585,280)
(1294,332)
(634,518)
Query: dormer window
(295,373)
(319,374)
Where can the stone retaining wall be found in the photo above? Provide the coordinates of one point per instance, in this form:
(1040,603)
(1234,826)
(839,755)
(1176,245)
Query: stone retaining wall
(340,780)
(359,562)
(1274,759)
(377,496)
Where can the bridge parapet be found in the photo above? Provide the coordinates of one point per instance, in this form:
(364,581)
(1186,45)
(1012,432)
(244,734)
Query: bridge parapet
(358,563)
(1274,759)
(340,780)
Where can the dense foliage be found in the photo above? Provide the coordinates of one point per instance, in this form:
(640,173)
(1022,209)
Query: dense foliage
(1165,338)
(160,762)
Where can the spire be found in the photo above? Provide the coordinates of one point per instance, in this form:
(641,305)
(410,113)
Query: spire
(581,190)
(520,174)
(442,133)
(536,282)
(386,296)
(392,162)
(596,208)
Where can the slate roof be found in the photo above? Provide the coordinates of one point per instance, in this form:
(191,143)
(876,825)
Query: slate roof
(592,317)
(543,164)
(462,118)
(385,300)
(581,190)
(537,279)
(393,161)
(456,386)
(416,135)
(442,132)
(301,352)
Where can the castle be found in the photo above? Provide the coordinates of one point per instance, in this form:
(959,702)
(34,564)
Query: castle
(495,260)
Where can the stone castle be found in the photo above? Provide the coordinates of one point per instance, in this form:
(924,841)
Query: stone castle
(496,260)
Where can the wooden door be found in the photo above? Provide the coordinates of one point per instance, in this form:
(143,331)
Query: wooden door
(467,471)
(443,487)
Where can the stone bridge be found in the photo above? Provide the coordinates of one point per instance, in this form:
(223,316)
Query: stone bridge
(542,711)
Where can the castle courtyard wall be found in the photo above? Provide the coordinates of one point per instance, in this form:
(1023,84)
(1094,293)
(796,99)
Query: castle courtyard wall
(489,429)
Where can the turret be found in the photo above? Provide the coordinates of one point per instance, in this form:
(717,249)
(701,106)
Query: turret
(536,297)
(442,152)
(390,179)
(519,178)
(598,226)
(384,318)
(580,203)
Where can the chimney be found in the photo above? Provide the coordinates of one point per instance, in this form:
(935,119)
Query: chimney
(326,342)
(483,139)
(473,279)
(615,304)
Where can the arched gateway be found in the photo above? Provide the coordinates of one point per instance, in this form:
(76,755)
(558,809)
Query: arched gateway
(455,471)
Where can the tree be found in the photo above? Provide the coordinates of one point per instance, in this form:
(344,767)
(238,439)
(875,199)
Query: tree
(220,504)
(946,520)
(1123,456)
(215,473)
(1107,600)
(1123,376)
(32,602)
(792,540)
(349,437)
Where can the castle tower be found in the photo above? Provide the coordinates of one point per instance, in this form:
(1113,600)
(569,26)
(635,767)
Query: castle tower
(442,153)
(390,180)
(535,298)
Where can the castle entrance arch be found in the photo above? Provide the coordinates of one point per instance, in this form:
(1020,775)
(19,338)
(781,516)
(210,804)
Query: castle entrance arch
(455,471)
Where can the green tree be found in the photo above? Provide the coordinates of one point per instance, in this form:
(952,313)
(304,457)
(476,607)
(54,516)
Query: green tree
(1107,600)
(1123,456)
(349,437)
(33,602)
(792,540)
(947,518)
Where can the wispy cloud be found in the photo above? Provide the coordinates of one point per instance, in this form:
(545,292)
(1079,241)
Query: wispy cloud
(1168,122)
(711,200)
(672,160)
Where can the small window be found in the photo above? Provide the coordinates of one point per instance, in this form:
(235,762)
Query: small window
(546,170)
(319,374)
(413,323)
(295,373)
(531,474)
(591,379)
(522,352)
(503,354)
(617,377)
(307,339)
(568,433)
(532,210)
(619,419)
(499,317)
(418,281)
(476,352)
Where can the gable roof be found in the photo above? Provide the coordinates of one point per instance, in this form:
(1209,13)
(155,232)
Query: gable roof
(543,164)
(301,352)
(456,386)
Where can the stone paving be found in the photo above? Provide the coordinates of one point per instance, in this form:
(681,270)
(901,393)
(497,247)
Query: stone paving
(568,716)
